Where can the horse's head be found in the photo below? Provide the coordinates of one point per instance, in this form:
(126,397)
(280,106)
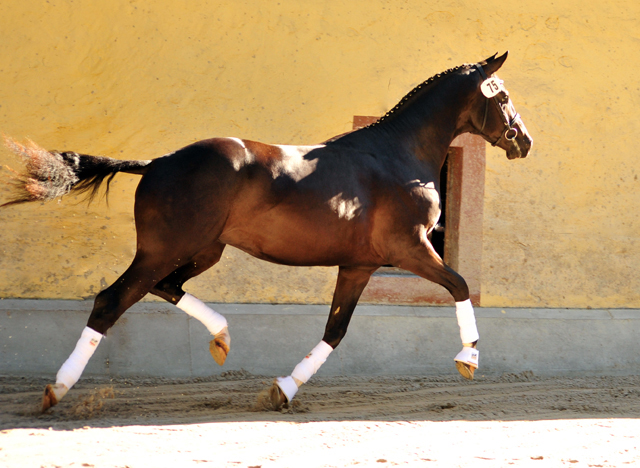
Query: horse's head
(495,118)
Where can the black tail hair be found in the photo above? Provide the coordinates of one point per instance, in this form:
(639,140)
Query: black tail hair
(52,174)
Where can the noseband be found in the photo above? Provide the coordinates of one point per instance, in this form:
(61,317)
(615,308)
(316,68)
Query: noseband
(509,132)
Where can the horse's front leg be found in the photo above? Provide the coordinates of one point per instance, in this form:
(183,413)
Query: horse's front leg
(424,261)
(467,360)
(351,282)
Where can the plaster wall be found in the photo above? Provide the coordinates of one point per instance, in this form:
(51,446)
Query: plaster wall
(139,79)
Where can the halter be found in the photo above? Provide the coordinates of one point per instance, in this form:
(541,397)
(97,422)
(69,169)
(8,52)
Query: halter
(509,133)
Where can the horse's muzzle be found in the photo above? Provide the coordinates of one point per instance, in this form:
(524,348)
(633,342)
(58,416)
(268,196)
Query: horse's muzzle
(520,146)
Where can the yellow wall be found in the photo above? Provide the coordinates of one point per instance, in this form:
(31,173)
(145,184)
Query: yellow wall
(138,79)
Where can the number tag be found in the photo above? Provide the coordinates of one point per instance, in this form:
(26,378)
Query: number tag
(491,86)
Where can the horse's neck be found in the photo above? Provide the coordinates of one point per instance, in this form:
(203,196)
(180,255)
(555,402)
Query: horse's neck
(427,126)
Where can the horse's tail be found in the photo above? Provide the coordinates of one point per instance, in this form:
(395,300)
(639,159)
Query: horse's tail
(52,174)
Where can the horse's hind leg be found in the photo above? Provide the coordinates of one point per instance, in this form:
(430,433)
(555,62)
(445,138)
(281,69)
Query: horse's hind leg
(109,305)
(351,282)
(170,289)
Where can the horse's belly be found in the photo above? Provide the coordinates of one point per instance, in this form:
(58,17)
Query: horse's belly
(301,244)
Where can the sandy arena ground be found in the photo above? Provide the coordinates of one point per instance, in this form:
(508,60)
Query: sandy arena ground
(512,420)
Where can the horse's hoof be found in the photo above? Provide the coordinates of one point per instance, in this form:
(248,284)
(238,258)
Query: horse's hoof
(467,361)
(465,370)
(220,345)
(219,350)
(52,395)
(49,398)
(277,397)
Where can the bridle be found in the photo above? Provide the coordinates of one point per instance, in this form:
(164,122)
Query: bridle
(509,132)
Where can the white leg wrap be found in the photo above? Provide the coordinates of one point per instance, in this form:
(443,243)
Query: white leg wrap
(312,362)
(288,387)
(71,370)
(304,370)
(467,321)
(193,306)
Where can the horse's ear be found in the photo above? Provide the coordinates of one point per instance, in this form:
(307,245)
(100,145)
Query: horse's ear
(493,64)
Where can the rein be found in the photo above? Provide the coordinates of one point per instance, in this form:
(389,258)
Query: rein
(509,132)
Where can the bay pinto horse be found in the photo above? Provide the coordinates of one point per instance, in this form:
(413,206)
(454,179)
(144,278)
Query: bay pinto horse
(361,200)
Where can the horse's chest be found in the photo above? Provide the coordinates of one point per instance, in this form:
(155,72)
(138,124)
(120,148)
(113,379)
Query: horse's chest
(424,203)
(425,196)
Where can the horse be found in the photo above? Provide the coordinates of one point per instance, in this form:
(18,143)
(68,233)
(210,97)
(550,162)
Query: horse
(359,201)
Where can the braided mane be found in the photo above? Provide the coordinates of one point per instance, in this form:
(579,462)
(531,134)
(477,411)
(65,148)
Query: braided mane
(415,90)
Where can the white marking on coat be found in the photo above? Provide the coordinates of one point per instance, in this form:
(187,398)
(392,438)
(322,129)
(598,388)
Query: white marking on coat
(346,208)
(239,141)
(293,161)
(247,158)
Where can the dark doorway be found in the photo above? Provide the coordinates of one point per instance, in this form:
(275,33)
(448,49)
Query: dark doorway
(437,235)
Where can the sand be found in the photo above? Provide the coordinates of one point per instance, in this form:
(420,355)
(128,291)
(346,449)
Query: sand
(508,420)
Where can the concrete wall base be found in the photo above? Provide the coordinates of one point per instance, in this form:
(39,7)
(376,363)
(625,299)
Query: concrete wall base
(157,339)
